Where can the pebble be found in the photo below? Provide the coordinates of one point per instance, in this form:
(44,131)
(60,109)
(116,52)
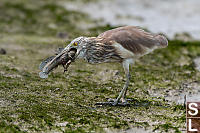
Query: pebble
(62,35)
(2,51)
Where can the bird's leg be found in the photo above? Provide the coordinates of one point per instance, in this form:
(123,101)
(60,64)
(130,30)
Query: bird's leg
(122,94)
(126,84)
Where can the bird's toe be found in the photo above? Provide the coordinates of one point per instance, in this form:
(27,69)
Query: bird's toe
(125,103)
(123,100)
(111,100)
(115,102)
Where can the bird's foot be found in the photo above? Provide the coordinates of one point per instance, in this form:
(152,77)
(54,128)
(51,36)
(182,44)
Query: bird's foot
(114,102)
(122,101)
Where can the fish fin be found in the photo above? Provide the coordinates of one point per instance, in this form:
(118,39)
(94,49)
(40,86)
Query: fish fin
(43,75)
(59,50)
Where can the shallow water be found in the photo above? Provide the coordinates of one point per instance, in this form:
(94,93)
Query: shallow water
(167,16)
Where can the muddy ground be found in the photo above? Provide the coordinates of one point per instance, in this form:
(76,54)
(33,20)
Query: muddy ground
(66,102)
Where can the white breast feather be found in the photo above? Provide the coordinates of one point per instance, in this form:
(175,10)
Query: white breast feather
(124,53)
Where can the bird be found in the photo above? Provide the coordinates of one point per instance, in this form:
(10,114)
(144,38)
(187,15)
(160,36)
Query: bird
(123,44)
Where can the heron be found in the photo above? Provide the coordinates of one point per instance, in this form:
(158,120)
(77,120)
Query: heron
(122,44)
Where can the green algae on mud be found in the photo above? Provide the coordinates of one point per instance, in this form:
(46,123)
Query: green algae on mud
(41,18)
(29,103)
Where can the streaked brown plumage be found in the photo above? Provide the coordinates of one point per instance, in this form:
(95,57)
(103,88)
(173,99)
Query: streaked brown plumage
(123,44)
(133,39)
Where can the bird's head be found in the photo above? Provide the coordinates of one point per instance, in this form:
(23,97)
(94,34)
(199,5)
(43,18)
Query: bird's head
(64,57)
(78,44)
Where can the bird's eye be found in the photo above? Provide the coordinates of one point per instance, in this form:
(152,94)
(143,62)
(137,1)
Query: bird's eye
(75,44)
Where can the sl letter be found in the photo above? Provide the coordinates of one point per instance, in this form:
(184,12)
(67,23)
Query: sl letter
(192,108)
(190,126)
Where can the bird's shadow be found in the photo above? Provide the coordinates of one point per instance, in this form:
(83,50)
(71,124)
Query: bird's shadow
(132,103)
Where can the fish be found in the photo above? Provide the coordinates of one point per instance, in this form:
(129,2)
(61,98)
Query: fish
(44,62)
(63,58)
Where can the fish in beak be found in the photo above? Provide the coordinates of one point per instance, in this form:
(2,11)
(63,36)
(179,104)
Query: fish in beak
(64,58)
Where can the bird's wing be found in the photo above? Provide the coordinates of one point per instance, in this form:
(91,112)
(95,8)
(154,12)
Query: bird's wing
(133,39)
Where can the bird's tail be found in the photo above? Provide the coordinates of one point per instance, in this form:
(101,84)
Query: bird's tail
(163,42)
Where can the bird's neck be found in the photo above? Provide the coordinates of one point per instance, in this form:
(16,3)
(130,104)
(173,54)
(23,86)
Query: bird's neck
(87,42)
